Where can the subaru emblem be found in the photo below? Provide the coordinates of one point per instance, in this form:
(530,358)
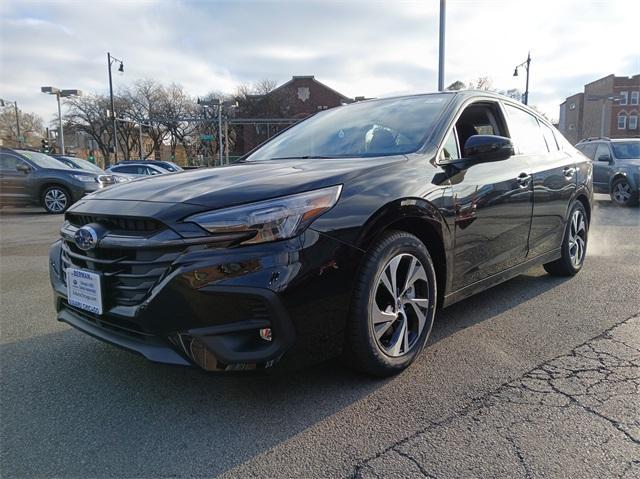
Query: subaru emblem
(86,238)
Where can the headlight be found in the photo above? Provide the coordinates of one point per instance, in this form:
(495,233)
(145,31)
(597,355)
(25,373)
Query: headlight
(270,220)
(85,178)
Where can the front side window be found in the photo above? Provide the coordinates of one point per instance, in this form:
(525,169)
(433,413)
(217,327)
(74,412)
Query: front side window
(622,122)
(635,97)
(633,122)
(526,131)
(624,97)
(364,129)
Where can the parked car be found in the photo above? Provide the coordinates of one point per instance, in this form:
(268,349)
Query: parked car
(135,170)
(165,165)
(80,164)
(616,167)
(31,177)
(341,235)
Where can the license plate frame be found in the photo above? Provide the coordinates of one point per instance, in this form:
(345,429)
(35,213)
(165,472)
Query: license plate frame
(84,290)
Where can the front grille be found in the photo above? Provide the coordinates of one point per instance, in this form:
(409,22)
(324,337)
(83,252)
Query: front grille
(119,224)
(128,275)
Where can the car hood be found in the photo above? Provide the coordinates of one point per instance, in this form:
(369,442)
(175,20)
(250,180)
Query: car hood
(243,182)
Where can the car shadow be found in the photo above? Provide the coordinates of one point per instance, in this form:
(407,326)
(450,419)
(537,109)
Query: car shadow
(73,406)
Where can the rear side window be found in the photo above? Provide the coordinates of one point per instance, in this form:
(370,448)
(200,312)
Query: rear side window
(603,150)
(126,169)
(8,162)
(526,131)
(588,150)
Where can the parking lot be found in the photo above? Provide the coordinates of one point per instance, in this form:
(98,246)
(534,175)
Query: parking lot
(537,377)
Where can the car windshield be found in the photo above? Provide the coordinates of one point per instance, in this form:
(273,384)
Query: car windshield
(85,165)
(626,150)
(42,160)
(371,128)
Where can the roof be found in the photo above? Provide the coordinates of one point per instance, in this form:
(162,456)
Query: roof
(312,78)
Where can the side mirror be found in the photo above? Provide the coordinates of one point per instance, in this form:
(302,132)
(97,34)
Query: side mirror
(485,148)
(23,167)
(605,157)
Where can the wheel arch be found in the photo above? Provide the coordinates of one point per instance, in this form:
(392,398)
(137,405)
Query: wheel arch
(48,184)
(423,220)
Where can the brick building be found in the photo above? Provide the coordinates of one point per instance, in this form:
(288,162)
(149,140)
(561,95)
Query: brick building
(298,98)
(616,99)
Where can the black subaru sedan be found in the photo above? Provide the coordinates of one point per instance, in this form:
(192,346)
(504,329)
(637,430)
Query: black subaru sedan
(341,236)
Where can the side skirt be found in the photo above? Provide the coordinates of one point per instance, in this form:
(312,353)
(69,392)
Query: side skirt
(498,278)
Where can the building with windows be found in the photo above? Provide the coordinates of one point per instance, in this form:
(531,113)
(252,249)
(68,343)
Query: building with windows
(608,107)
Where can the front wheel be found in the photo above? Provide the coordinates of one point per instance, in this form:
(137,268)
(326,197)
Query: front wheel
(56,199)
(574,244)
(393,305)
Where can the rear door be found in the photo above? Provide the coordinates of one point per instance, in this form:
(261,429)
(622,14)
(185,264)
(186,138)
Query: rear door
(492,202)
(13,183)
(554,178)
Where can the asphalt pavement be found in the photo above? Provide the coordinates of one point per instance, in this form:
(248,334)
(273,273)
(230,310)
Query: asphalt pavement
(536,377)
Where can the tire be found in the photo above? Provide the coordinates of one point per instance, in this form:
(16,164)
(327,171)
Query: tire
(622,194)
(386,332)
(55,199)
(574,244)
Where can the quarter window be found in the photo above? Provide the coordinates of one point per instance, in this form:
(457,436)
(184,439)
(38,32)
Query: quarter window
(450,148)
(526,131)
(549,137)
(624,96)
(622,122)
(635,97)
(633,122)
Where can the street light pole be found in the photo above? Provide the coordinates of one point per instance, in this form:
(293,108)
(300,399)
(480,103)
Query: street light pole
(60,93)
(61,135)
(110,60)
(220,132)
(526,64)
(443,8)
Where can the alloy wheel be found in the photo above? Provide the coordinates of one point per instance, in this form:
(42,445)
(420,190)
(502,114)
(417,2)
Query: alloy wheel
(399,310)
(55,200)
(577,237)
(622,192)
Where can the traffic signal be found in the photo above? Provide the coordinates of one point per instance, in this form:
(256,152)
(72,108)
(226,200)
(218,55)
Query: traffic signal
(45,145)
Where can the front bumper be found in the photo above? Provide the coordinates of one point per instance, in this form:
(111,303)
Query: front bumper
(208,308)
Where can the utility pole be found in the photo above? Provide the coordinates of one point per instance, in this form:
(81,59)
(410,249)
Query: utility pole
(220,131)
(60,93)
(443,8)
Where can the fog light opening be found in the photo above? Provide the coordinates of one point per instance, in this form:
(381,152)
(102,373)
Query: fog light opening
(265,333)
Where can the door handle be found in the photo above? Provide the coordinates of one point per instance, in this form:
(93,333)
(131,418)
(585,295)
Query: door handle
(569,171)
(523,180)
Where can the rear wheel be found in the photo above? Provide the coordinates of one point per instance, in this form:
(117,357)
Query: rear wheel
(622,193)
(393,305)
(574,244)
(56,199)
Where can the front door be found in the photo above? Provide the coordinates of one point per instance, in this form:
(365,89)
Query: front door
(492,203)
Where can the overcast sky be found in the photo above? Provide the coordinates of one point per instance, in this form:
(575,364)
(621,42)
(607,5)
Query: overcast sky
(366,48)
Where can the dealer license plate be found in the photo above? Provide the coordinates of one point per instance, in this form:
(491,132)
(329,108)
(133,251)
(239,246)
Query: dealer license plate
(84,290)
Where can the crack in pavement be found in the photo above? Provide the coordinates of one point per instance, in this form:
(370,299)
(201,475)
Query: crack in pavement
(576,414)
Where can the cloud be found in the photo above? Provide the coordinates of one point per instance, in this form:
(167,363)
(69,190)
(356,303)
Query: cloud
(366,48)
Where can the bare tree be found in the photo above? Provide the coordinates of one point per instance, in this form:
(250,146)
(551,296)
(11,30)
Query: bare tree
(145,100)
(88,114)
(30,124)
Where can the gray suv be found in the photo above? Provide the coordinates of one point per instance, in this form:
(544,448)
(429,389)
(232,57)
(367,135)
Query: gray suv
(616,167)
(30,177)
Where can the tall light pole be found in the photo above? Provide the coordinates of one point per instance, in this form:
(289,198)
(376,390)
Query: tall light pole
(15,105)
(60,93)
(526,64)
(443,8)
(110,60)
